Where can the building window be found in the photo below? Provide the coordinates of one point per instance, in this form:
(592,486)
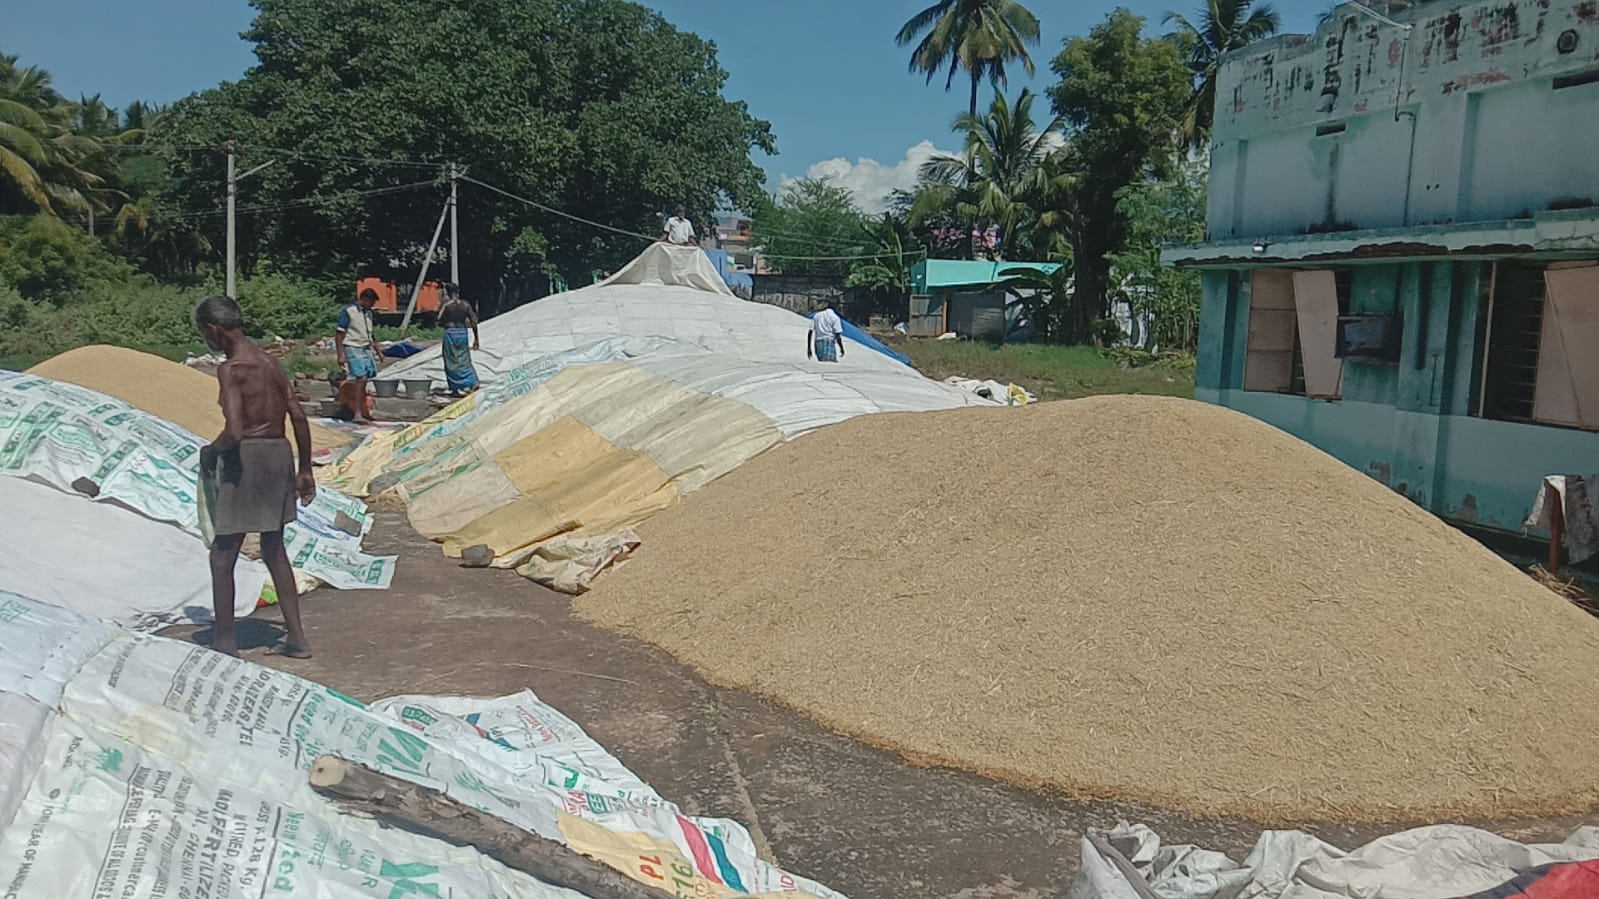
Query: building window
(1293,327)
(1541,348)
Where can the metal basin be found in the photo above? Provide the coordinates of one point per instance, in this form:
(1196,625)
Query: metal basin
(416,388)
(386,388)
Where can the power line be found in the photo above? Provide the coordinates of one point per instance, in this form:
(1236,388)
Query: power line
(306,201)
(553,211)
(841,258)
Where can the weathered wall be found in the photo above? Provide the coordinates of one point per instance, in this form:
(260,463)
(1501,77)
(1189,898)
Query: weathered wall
(1365,125)
(1408,424)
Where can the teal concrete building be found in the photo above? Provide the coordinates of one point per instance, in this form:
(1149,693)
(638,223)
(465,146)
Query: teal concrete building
(1403,264)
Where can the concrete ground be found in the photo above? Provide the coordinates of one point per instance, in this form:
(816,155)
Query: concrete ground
(857,819)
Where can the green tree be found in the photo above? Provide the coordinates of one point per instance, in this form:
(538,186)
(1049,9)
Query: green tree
(1223,26)
(599,108)
(1046,297)
(889,250)
(1122,96)
(979,36)
(999,180)
(52,159)
(811,217)
(1160,212)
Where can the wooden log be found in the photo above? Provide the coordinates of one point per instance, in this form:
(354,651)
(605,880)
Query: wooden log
(361,789)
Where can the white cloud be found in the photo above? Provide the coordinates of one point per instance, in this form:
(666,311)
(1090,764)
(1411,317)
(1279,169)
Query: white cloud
(869,180)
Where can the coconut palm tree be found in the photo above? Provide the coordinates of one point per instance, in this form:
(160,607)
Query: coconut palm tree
(33,126)
(1000,178)
(979,36)
(51,155)
(1223,26)
(23,137)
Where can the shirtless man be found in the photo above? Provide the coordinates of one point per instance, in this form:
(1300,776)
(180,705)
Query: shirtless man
(253,470)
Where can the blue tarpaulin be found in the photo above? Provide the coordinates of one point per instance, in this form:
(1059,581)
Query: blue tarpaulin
(733,279)
(860,336)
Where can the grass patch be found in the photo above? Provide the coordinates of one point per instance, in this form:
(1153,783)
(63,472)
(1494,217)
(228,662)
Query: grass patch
(416,332)
(1050,372)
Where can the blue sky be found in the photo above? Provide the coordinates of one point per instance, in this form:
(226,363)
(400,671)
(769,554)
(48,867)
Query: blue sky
(825,73)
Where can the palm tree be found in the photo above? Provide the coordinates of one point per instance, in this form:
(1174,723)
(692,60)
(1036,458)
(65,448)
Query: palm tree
(22,152)
(52,158)
(1000,179)
(980,36)
(40,156)
(1224,26)
(23,135)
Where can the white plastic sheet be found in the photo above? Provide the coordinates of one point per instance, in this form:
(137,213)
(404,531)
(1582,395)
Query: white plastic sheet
(1580,534)
(105,561)
(163,769)
(1444,861)
(667,292)
(59,433)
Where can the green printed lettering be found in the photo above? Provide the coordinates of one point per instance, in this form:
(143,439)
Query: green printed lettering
(407,756)
(404,879)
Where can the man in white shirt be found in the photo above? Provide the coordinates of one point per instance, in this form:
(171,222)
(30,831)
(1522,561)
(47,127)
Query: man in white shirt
(826,337)
(679,230)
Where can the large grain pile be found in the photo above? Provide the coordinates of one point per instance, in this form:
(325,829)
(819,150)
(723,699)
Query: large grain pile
(1138,598)
(165,389)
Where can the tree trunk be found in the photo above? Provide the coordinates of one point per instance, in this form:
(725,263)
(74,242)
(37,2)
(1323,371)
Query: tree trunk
(976,80)
(394,801)
(1088,294)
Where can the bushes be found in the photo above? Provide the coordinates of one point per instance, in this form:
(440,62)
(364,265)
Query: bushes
(284,306)
(49,261)
(152,318)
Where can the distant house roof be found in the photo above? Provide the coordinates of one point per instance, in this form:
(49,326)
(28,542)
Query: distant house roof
(930,274)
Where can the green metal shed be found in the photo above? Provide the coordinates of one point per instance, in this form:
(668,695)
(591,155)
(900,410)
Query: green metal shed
(961,295)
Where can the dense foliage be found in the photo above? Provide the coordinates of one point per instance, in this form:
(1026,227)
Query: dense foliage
(596,107)
(576,124)
(1098,187)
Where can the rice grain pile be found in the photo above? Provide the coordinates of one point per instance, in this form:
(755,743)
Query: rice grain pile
(163,388)
(1133,598)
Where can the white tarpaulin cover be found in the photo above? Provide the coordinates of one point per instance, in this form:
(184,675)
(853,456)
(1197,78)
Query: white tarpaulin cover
(667,292)
(105,561)
(604,405)
(61,433)
(138,767)
(1444,861)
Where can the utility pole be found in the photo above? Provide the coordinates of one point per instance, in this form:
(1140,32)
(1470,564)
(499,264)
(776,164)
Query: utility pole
(233,191)
(455,233)
(427,260)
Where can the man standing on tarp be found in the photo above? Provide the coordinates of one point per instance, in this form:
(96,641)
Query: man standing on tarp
(679,230)
(456,317)
(353,342)
(248,478)
(826,337)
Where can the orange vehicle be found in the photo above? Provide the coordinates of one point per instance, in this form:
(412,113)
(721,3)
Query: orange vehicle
(392,298)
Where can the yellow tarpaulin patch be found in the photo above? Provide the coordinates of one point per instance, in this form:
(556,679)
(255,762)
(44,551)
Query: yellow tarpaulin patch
(569,478)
